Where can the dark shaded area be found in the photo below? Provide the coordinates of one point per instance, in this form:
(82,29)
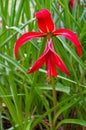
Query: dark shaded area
(6,124)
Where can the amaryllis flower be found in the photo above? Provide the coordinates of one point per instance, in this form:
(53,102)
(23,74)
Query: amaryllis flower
(71,3)
(49,56)
(51,59)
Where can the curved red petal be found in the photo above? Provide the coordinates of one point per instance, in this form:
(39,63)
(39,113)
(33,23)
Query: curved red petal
(38,64)
(71,36)
(50,64)
(40,61)
(71,4)
(45,22)
(60,64)
(55,59)
(24,38)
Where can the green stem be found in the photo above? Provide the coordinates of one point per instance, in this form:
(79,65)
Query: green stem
(81,82)
(84,128)
(54,94)
(82,77)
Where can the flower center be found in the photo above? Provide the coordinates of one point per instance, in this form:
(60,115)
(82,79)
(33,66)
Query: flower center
(49,35)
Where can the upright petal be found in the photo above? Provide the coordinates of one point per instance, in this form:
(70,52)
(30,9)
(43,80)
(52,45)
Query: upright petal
(71,36)
(24,38)
(45,22)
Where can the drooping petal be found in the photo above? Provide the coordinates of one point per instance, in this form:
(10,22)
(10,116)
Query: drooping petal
(38,64)
(45,22)
(71,36)
(40,61)
(24,38)
(56,59)
(50,64)
(60,64)
(71,4)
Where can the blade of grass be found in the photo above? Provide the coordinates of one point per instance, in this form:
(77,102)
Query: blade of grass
(72,121)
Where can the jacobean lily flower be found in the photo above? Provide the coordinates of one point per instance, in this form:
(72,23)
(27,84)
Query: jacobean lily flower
(71,3)
(49,56)
(51,59)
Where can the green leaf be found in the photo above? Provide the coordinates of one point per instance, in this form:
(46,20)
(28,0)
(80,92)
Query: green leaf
(29,124)
(72,121)
(74,55)
(60,87)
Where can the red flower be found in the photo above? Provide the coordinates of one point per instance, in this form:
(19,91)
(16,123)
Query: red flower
(51,59)
(49,56)
(71,3)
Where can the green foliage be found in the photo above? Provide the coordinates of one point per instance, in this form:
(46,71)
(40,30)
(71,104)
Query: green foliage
(26,100)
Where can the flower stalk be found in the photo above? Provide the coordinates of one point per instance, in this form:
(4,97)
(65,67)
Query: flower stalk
(82,77)
(54,94)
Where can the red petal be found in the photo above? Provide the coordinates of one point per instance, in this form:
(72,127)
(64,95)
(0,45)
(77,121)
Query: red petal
(71,4)
(45,22)
(50,64)
(60,64)
(40,61)
(24,38)
(38,64)
(56,59)
(71,36)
